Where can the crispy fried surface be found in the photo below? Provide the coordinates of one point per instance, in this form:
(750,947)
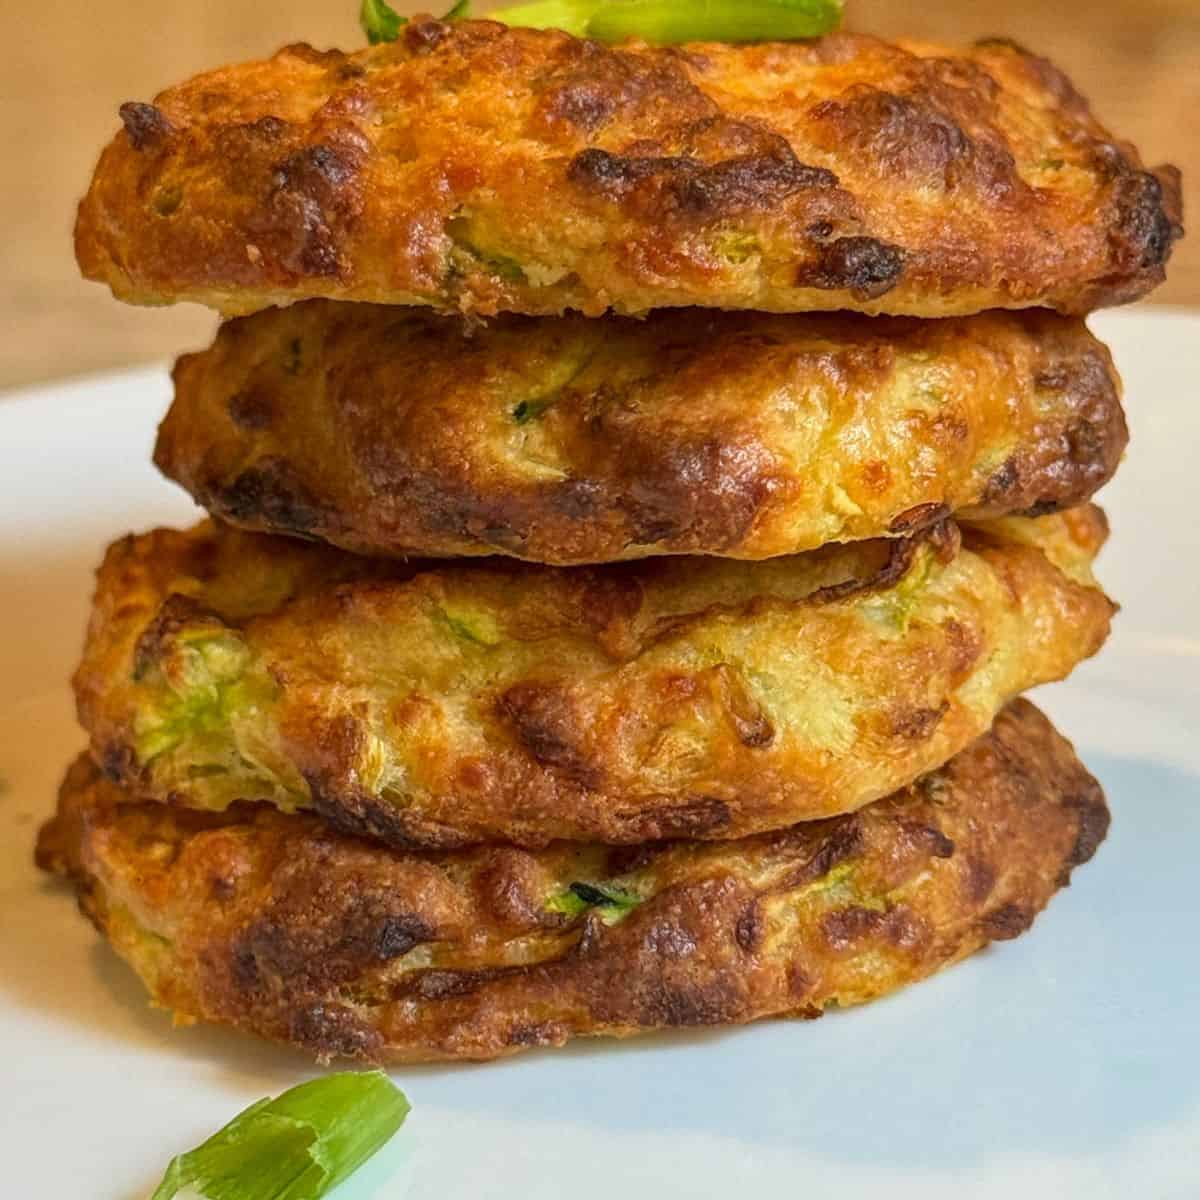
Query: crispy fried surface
(486,169)
(279,926)
(668,698)
(570,440)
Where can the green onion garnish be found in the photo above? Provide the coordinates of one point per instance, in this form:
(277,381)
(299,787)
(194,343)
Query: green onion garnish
(669,22)
(295,1147)
(663,22)
(571,16)
(613,902)
(382,23)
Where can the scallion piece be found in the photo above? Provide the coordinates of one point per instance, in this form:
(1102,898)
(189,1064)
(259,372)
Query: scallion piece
(295,1147)
(380,21)
(662,22)
(571,16)
(669,22)
(614,903)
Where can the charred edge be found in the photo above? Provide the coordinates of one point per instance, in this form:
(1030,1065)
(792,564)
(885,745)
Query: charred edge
(614,175)
(1006,922)
(938,844)
(271,492)
(316,170)
(1045,508)
(334,1031)
(175,612)
(541,719)
(1145,231)
(700,493)
(979,880)
(750,927)
(252,409)
(750,721)
(1094,820)
(118,763)
(750,182)
(577,499)
(702,817)
(754,732)
(397,935)
(1079,456)
(843,842)
(863,266)
(421,37)
(623,860)
(435,983)
(309,188)
(945,540)
(1004,483)
(509,888)
(540,1033)
(351,936)
(1096,435)
(844,927)
(918,518)
(586,104)
(916,724)
(668,938)
(712,1002)
(591,937)
(901,554)
(698,189)
(364,817)
(147,127)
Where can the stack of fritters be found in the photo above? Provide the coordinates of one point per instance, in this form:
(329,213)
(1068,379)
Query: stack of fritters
(720,720)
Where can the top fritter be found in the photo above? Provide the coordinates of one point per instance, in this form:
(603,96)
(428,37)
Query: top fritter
(475,167)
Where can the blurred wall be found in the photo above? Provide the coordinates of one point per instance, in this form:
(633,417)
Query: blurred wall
(70,63)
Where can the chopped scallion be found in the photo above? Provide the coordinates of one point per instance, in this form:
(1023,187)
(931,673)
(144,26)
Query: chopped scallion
(662,22)
(380,21)
(669,22)
(571,16)
(295,1147)
(614,903)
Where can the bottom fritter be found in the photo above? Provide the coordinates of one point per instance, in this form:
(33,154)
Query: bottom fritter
(275,924)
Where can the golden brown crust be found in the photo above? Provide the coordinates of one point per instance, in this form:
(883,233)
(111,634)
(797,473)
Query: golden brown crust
(278,926)
(485,169)
(666,698)
(568,440)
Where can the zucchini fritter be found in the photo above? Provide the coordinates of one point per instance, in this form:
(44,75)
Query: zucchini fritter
(672,697)
(484,169)
(279,926)
(567,440)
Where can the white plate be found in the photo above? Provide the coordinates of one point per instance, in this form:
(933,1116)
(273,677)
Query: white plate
(1065,1064)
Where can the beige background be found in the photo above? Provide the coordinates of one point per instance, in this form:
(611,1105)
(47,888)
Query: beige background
(70,63)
